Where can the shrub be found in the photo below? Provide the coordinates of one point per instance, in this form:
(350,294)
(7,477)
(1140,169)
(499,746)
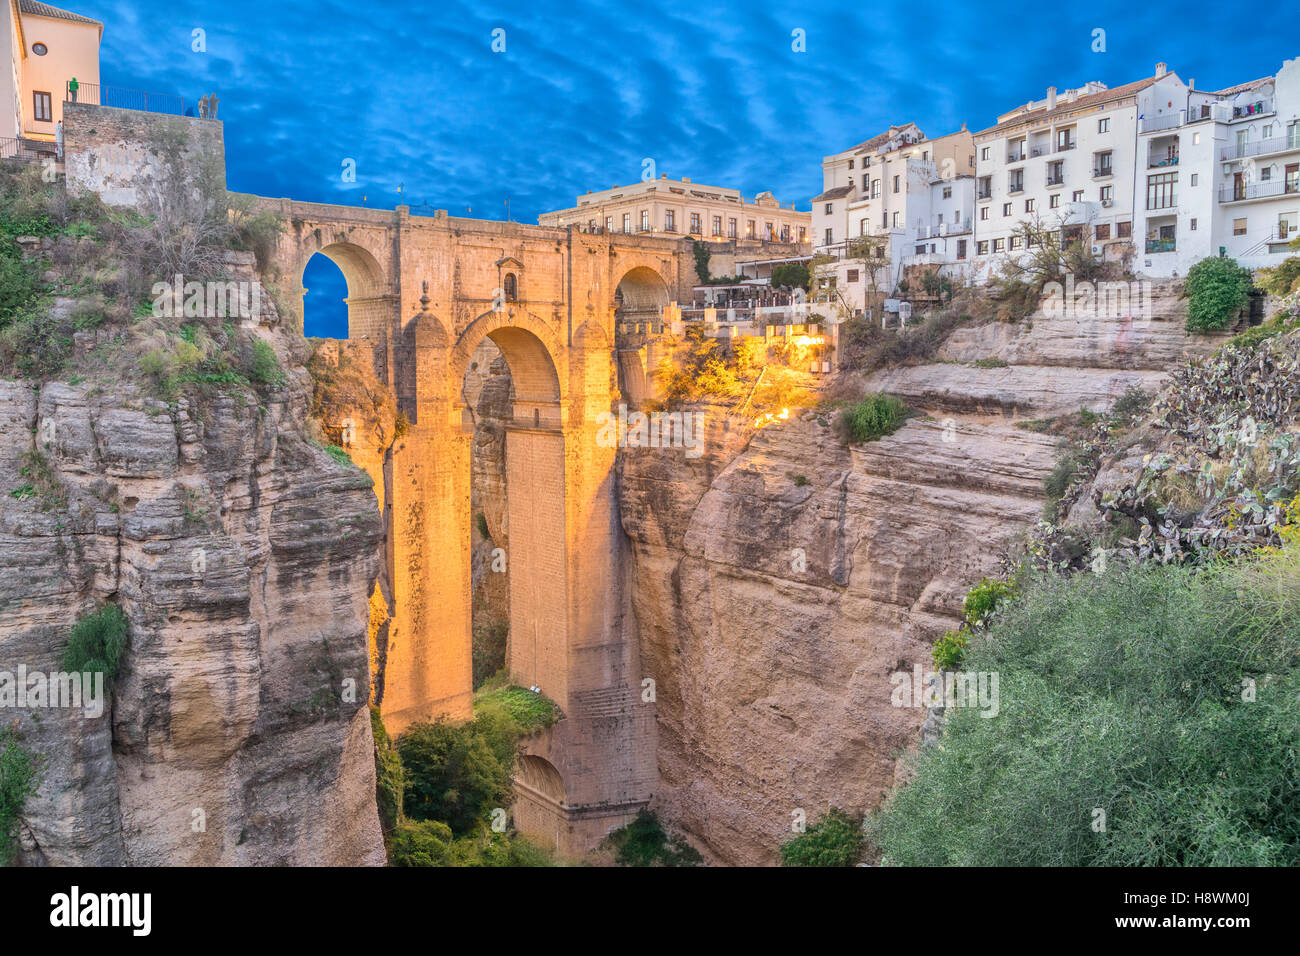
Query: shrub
(644,842)
(1159,695)
(983,598)
(35,343)
(97,643)
(1062,475)
(19,281)
(339,455)
(20,773)
(875,416)
(421,843)
(1132,405)
(265,367)
(950,650)
(1216,289)
(457,774)
(836,839)
(1282,279)
(518,708)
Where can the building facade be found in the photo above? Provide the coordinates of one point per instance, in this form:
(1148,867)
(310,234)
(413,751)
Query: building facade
(682,208)
(48,48)
(909,196)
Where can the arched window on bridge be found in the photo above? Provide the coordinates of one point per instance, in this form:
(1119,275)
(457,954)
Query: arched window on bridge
(511,287)
(325,311)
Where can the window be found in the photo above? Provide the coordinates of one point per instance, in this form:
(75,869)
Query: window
(1196,177)
(830,207)
(1076,196)
(1104,164)
(717,225)
(1238,227)
(1192,227)
(1196,139)
(1107,193)
(1064,139)
(591,225)
(803,234)
(1015,242)
(609,223)
(961,248)
(40,49)
(925,156)
(1123,230)
(769,234)
(947,192)
(984,152)
(875,188)
(1016,181)
(785,233)
(1054,201)
(999,245)
(1162,191)
(43,108)
(1265,174)
(627,222)
(695,224)
(984,213)
(1030,204)
(1103,231)
(1291,178)
(851,276)
(511,287)
(645,220)
(850,164)
(830,236)
(731,228)
(982,247)
(750,226)
(1103,125)
(862,227)
(895,184)
(1006,209)
(866,184)
(920,250)
(670,220)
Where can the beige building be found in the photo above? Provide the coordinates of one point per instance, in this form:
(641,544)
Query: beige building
(47,47)
(680,207)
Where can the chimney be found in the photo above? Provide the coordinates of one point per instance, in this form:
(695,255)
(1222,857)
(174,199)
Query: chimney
(686,179)
(1162,69)
(1051,98)
(1191,84)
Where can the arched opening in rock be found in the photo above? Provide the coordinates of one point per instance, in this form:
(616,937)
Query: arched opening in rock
(640,297)
(539,800)
(324,300)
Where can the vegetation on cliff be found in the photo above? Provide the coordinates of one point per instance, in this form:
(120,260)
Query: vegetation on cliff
(645,842)
(1216,289)
(97,643)
(836,839)
(20,772)
(1146,718)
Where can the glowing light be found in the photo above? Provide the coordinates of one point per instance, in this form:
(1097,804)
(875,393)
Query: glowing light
(809,340)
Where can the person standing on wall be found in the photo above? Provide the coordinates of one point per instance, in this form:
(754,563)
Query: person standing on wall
(73,86)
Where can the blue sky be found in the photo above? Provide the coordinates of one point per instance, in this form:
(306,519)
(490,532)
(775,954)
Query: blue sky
(586,91)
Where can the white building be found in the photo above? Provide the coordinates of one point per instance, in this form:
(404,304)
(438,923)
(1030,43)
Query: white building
(912,195)
(1236,177)
(1069,161)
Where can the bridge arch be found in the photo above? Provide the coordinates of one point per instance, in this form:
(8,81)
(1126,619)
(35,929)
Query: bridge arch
(530,350)
(640,295)
(369,299)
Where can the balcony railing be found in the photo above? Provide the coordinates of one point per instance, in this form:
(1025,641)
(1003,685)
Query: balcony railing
(1062,147)
(1154,163)
(1099,171)
(1267,190)
(27,150)
(1161,245)
(1015,156)
(1257,108)
(1273,144)
(1040,150)
(1015,188)
(984,194)
(1160,122)
(139,100)
(1056,180)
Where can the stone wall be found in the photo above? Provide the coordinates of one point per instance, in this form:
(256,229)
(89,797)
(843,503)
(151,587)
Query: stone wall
(128,157)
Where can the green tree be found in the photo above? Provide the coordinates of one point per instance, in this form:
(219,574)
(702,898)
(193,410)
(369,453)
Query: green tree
(836,839)
(791,275)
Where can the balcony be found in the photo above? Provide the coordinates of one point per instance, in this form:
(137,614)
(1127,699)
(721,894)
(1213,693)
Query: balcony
(1042,149)
(985,193)
(1015,188)
(1101,172)
(1056,180)
(1160,122)
(1248,191)
(1154,162)
(1015,156)
(1262,147)
(1062,147)
(139,100)
(1257,108)
(1161,245)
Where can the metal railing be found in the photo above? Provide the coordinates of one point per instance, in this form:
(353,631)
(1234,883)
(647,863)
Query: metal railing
(26,150)
(1154,163)
(1100,171)
(1041,150)
(1016,156)
(1161,245)
(1273,144)
(1160,122)
(1062,147)
(1258,191)
(1257,108)
(140,100)
(1056,180)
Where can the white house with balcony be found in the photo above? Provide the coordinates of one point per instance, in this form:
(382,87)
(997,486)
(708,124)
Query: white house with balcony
(1068,161)
(909,194)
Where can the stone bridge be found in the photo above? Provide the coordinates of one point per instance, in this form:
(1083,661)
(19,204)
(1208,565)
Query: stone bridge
(423,293)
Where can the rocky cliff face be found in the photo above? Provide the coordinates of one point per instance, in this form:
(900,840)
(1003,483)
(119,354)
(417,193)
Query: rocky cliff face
(242,555)
(778,581)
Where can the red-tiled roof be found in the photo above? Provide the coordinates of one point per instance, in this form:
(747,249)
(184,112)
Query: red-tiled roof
(1239,88)
(32,8)
(1062,106)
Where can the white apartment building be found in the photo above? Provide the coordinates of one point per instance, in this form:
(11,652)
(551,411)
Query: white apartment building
(1221,177)
(913,194)
(1069,161)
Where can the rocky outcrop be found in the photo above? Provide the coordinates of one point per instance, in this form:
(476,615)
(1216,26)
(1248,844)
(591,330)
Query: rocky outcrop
(779,581)
(242,556)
